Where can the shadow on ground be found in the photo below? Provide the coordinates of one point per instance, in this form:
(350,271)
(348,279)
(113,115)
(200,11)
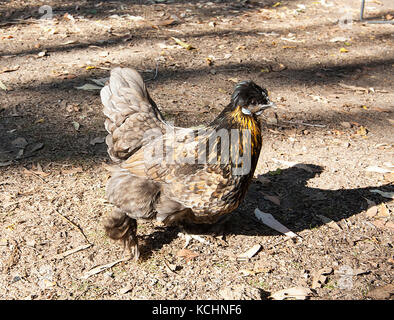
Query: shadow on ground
(299,210)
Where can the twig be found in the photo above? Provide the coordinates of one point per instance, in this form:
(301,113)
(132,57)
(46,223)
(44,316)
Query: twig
(76,227)
(306,124)
(68,252)
(102,268)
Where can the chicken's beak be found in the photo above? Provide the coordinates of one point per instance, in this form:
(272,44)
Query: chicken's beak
(262,107)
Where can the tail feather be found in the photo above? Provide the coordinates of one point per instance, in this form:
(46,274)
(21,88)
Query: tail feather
(130,113)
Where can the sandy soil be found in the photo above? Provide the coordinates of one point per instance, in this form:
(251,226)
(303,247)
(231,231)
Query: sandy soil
(332,80)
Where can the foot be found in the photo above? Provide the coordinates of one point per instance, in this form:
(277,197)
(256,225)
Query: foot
(188,237)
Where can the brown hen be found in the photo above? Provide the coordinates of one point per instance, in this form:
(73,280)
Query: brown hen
(176,175)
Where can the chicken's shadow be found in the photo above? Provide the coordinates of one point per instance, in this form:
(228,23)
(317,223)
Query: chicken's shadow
(299,209)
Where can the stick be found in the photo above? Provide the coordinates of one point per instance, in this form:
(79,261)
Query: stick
(72,224)
(306,124)
(68,252)
(102,268)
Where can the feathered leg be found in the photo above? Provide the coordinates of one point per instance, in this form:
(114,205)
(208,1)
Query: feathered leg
(119,226)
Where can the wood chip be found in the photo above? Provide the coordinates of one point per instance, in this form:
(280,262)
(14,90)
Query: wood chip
(298,293)
(249,253)
(126,289)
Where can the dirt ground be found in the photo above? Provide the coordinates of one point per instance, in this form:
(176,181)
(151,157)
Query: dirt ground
(327,148)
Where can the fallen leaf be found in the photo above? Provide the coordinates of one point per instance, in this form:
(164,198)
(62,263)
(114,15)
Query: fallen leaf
(362,131)
(97,140)
(372,209)
(263,180)
(331,223)
(339,39)
(101,268)
(10,69)
(319,277)
(298,293)
(76,125)
(89,86)
(35,172)
(187,254)
(3,86)
(126,289)
(277,4)
(249,253)
(343,50)
(273,199)
(68,17)
(378,169)
(247,272)
(100,82)
(382,293)
(90,67)
(383,212)
(183,44)
(389,195)
(19,142)
(271,222)
(37,146)
(389,177)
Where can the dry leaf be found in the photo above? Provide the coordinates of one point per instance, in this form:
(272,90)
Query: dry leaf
(247,272)
(271,222)
(126,289)
(362,131)
(10,69)
(183,44)
(76,125)
(32,172)
(378,169)
(331,223)
(68,17)
(372,209)
(249,253)
(19,142)
(263,180)
(389,177)
(343,50)
(101,268)
(389,195)
(273,199)
(97,140)
(89,86)
(3,86)
(319,278)
(383,212)
(298,293)
(382,293)
(187,254)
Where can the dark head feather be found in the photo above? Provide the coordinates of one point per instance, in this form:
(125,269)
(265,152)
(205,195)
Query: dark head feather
(248,93)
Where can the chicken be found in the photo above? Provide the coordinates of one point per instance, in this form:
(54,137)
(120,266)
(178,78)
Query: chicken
(180,176)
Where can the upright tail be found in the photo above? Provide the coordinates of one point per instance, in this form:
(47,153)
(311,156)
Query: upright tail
(130,113)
